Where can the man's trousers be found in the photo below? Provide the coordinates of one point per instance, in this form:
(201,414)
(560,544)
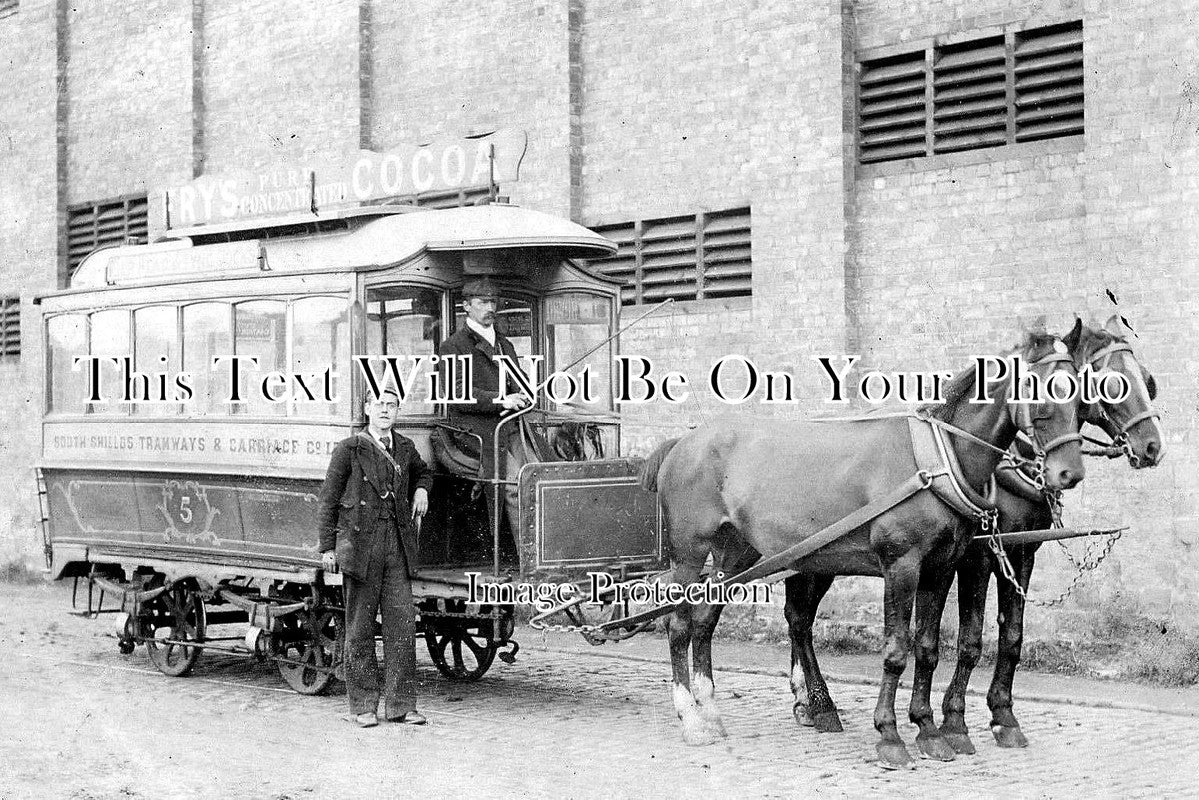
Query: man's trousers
(385,589)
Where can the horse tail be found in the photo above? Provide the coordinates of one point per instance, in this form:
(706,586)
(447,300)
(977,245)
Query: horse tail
(649,473)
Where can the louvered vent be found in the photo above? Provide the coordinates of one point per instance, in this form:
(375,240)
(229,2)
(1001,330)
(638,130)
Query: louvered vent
(690,257)
(987,92)
(95,225)
(10,327)
(726,254)
(668,259)
(622,265)
(891,108)
(1049,82)
(969,96)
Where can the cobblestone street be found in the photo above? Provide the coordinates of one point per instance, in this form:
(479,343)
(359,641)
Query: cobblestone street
(83,721)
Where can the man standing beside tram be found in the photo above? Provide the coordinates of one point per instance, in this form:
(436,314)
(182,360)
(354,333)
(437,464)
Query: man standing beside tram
(480,340)
(367,529)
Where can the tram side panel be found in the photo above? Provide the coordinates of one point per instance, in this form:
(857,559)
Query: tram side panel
(217,525)
(588,516)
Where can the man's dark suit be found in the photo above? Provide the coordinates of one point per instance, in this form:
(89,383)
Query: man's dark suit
(364,516)
(481,416)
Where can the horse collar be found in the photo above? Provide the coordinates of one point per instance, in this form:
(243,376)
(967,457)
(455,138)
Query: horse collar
(936,457)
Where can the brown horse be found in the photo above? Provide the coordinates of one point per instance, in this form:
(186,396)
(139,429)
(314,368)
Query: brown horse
(742,491)
(1022,506)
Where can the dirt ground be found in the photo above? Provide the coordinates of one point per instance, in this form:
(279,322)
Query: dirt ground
(567,720)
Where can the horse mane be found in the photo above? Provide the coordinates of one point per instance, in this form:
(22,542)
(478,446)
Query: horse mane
(961,386)
(955,391)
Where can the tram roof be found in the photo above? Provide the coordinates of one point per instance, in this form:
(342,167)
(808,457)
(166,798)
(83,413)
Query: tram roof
(348,239)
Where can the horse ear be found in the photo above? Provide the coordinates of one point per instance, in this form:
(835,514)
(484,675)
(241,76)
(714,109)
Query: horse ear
(1118,326)
(1072,338)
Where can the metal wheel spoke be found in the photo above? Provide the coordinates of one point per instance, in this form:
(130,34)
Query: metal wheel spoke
(475,648)
(181,612)
(442,644)
(306,650)
(459,665)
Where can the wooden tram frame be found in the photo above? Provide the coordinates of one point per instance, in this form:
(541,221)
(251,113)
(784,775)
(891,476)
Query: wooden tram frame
(174,585)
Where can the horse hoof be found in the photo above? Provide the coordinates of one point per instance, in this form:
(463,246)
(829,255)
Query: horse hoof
(1009,736)
(827,721)
(893,755)
(716,725)
(959,741)
(803,716)
(699,735)
(935,746)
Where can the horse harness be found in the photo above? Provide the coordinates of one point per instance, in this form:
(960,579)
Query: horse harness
(1098,362)
(938,470)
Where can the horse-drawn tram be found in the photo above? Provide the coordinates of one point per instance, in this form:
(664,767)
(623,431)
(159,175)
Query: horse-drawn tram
(196,386)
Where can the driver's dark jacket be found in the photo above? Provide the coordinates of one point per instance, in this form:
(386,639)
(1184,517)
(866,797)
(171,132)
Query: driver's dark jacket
(351,501)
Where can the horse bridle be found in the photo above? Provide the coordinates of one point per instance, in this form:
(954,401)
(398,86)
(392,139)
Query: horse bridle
(1121,438)
(1022,418)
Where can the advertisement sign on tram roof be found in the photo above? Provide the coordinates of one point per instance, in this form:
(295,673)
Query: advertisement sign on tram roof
(368,176)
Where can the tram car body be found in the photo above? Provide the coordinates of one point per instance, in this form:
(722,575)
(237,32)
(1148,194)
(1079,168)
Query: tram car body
(197,511)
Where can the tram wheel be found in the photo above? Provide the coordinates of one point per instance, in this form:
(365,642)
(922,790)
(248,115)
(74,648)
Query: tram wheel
(459,650)
(177,615)
(309,641)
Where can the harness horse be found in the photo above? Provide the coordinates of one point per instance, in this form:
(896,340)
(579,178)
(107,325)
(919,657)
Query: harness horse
(880,496)
(1024,505)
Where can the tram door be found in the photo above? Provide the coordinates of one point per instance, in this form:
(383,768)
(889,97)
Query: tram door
(404,321)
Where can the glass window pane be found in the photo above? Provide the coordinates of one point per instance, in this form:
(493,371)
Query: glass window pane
(575,323)
(403,322)
(207,333)
(67,335)
(260,331)
(156,353)
(320,343)
(110,338)
(513,319)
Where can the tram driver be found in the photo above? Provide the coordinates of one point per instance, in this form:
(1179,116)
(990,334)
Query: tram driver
(479,339)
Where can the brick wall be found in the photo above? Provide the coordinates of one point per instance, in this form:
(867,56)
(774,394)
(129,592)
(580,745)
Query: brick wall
(281,82)
(493,64)
(1142,236)
(28,241)
(129,105)
(691,106)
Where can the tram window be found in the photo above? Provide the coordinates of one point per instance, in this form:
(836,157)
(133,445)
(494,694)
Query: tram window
(259,331)
(109,331)
(155,351)
(575,323)
(513,319)
(320,341)
(67,336)
(402,322)
(207,333)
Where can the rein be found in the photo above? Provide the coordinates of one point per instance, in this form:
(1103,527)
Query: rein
(1019,413)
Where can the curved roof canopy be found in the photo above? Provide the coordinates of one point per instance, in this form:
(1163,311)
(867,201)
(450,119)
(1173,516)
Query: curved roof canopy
(370,240)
